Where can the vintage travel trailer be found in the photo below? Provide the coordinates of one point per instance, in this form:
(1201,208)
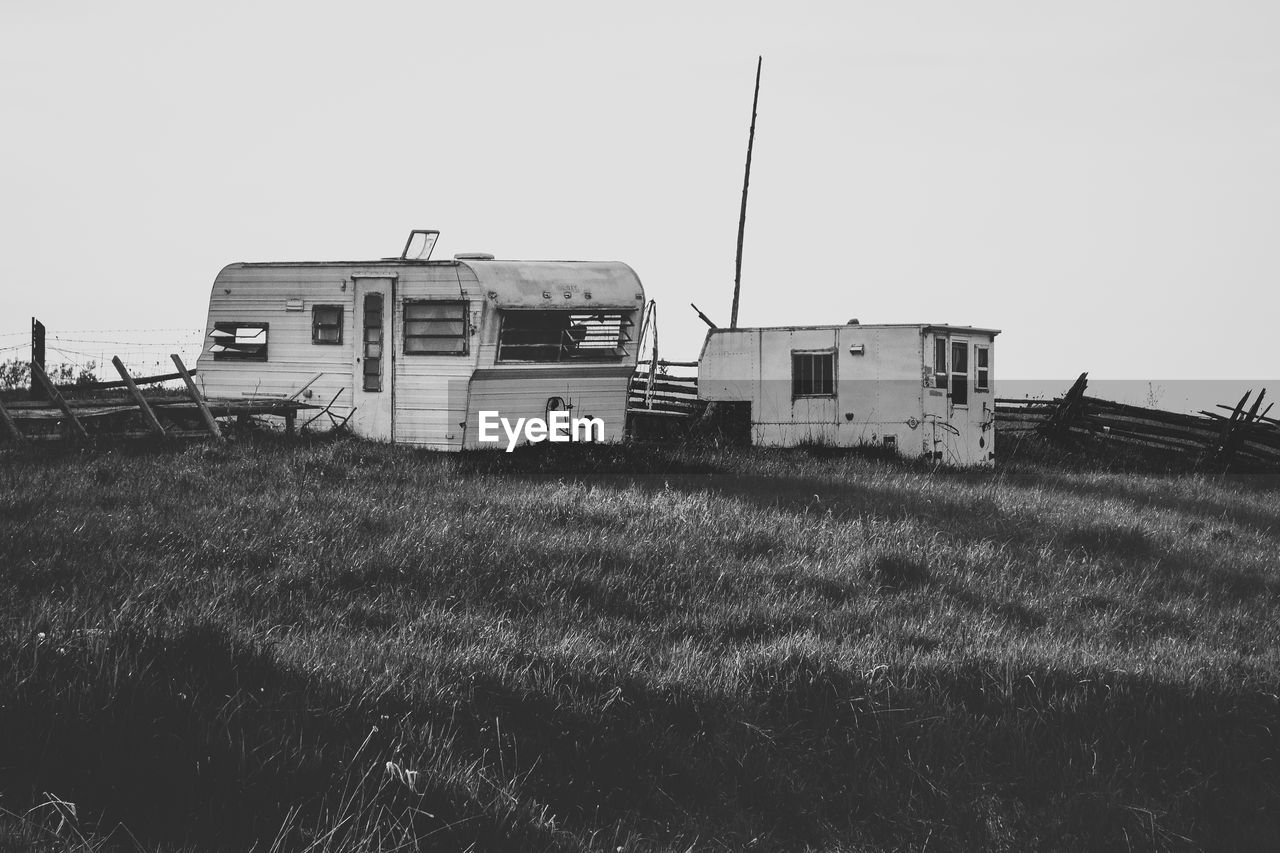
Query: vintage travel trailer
(924,390)
(413,349)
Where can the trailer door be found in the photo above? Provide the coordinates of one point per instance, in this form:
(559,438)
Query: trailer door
(374,368)
(936,410)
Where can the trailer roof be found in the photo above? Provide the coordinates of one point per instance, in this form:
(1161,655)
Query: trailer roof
(515,284)
(551,284)
(923,327)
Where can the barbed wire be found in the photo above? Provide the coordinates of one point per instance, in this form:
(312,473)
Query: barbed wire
(26,333)
(76,347)
(111,331)
(119,342)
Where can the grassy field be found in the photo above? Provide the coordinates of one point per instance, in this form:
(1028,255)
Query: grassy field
(631,648)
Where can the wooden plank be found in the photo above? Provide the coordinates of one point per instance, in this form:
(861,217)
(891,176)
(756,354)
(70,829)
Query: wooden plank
(1071,408)
(638,402)
(665,363)
(116,383)
(37,357)
(1257,434)
(172,433)
(661,413)
(196,398)
(296,394)
(77,428)
(148,416)
(639,406)
(1229,427)
(18,438)
(640,386)
(1203,431)
(1261,417)
(84,414)
(1176,418)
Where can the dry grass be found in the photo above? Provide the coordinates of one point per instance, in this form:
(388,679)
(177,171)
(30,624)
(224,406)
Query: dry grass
(638,648)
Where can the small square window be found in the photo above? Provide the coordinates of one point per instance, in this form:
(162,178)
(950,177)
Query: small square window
(326,324)
(813,374)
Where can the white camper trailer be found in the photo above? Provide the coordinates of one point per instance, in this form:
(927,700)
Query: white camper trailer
(414,349)
(920,389)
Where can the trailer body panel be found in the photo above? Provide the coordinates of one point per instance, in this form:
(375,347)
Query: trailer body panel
(448,339)
(860,385)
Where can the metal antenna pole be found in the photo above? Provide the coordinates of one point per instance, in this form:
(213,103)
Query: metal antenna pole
(742,217)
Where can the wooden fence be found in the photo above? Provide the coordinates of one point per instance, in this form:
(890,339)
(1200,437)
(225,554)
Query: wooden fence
(64,414)
(1240,434)
(664,394)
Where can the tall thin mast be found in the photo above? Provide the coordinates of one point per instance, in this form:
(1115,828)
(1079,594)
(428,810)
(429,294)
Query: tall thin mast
(742,217)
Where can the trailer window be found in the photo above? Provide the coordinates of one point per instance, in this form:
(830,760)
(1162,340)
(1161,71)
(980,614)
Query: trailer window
(435,328)
(373,342)
(552,336)
(982,368)
(939,362)
(234,341)
(813,374)
(326,324)
(959,373)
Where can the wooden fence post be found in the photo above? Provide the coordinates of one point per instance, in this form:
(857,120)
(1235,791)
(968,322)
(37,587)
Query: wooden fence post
(199,400)
(18,438)
(37,357)
(147,415)
(55,395)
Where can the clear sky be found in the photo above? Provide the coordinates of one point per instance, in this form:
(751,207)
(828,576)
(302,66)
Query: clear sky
(1100,180)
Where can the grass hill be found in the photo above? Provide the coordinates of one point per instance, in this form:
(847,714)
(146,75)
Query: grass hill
(345,646)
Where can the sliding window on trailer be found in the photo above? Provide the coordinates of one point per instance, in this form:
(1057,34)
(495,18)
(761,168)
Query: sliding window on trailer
(558,336)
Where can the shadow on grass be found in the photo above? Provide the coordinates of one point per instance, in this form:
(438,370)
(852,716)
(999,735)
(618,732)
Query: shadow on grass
(199,737)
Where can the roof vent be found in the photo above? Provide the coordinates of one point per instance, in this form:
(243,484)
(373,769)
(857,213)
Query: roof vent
(473,256)
(419,245)
(853,322)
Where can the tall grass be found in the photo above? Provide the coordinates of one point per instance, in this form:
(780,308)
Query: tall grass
(653,649)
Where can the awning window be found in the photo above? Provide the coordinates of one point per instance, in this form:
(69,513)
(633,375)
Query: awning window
(554,336)
(236,341)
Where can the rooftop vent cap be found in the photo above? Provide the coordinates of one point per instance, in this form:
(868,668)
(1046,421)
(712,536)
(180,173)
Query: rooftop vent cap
(473,256)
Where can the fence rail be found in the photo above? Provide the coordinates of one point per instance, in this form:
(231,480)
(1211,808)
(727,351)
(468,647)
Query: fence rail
(663,394)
